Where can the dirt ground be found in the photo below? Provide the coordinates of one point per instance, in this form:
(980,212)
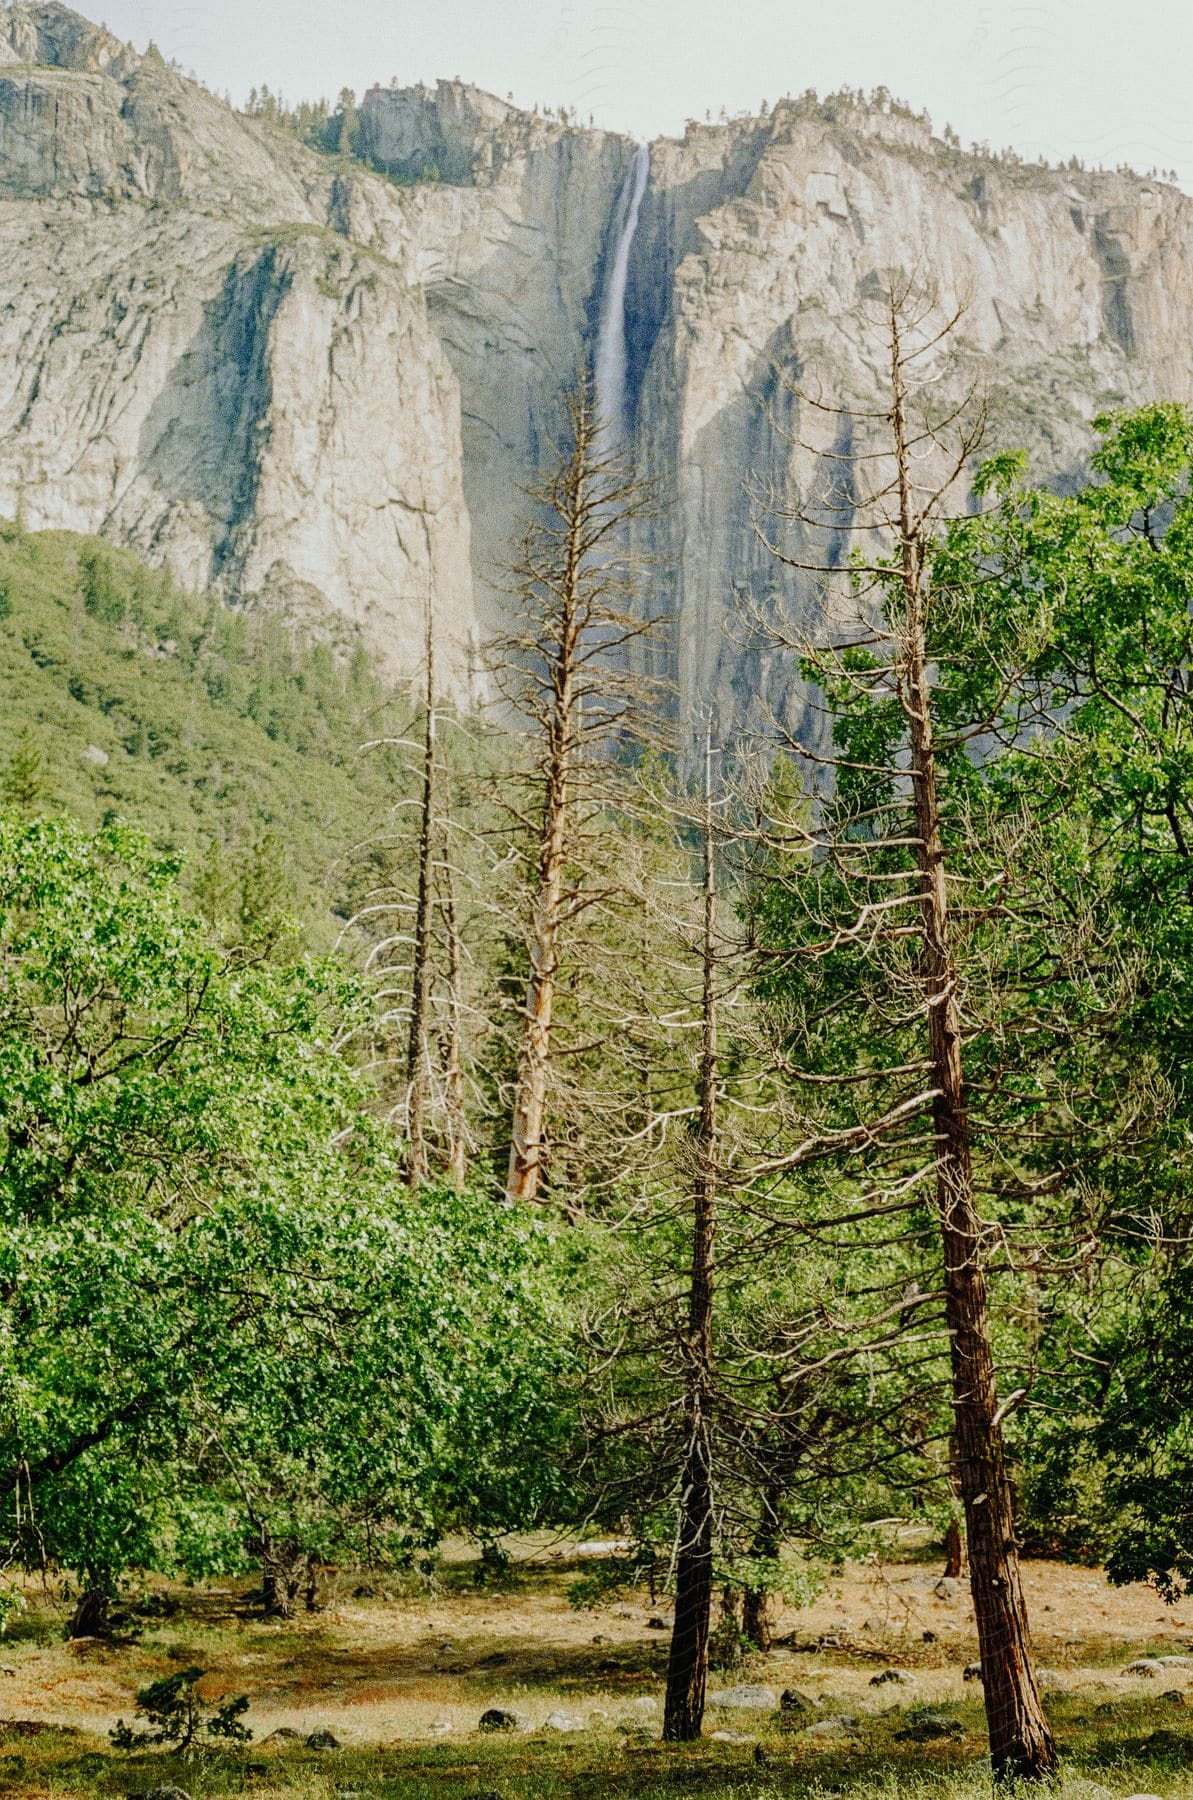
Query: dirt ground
(386,1668)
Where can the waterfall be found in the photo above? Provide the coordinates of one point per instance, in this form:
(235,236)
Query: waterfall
(611,353)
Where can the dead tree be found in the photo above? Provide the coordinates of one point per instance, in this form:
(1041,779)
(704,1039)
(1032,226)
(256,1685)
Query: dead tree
(422,976)
(687,1668)
(421,917)
(453,1064)
(565,666)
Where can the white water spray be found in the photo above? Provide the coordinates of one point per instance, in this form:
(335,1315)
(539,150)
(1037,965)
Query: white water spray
(611,351)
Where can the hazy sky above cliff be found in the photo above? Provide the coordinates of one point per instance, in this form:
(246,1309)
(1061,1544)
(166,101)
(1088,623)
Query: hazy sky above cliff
(1055,77)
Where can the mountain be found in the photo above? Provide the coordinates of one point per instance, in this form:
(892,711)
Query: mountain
(317,383)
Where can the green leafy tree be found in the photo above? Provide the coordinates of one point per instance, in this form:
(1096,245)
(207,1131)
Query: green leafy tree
(229,1330)
(948,1003)
(1109,569)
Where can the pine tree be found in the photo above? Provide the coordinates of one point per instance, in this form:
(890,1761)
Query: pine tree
(23,781)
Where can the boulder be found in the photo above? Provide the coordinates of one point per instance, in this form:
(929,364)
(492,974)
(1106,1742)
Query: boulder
(500,1718)
(323,1740)
(947,1588)
(746,1697)
(925,1727)
(843,1726)
(792,1701)
(563,1721)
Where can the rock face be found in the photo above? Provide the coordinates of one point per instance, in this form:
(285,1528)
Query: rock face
(196,363)
(321,386)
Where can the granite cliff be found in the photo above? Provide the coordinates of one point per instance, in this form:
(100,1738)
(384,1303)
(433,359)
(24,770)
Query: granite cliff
(319,386)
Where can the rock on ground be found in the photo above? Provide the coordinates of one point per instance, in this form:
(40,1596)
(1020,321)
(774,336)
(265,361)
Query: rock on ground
(842,1727)
(746,1697)
(501,1718)
(923,1728)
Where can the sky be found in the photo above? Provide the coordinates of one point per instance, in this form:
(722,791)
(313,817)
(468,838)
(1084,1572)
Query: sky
(1106,81)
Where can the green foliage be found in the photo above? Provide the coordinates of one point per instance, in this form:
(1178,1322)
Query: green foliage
(1106,573)
(174,1714)
(227,1322)
(22,784)
(219,728)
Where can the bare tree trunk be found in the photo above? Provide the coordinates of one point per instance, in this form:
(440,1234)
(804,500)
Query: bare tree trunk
(687,1668)
(530,1091)
(756,1606)
(90,1617)
(954,1538)
(565,666)
(286,1569)
(1021,1744)
(453,1071)
(420,983)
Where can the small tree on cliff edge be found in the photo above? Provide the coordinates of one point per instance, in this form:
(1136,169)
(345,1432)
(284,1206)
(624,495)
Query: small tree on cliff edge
(565,666)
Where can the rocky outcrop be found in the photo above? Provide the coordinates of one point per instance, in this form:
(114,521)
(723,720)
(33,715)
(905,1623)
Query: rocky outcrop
(195,361)
(1079,292)
(321,386)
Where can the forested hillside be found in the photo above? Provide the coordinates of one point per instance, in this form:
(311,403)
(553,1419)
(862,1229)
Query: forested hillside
(212,729)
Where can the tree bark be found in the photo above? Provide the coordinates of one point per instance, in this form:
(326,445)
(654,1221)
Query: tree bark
(453,1070)
(420,983)
(1021,1743)
(530,1092)
(954,1538)
(756,1604)
(286,1570)
(90,1617)
(687,1668)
